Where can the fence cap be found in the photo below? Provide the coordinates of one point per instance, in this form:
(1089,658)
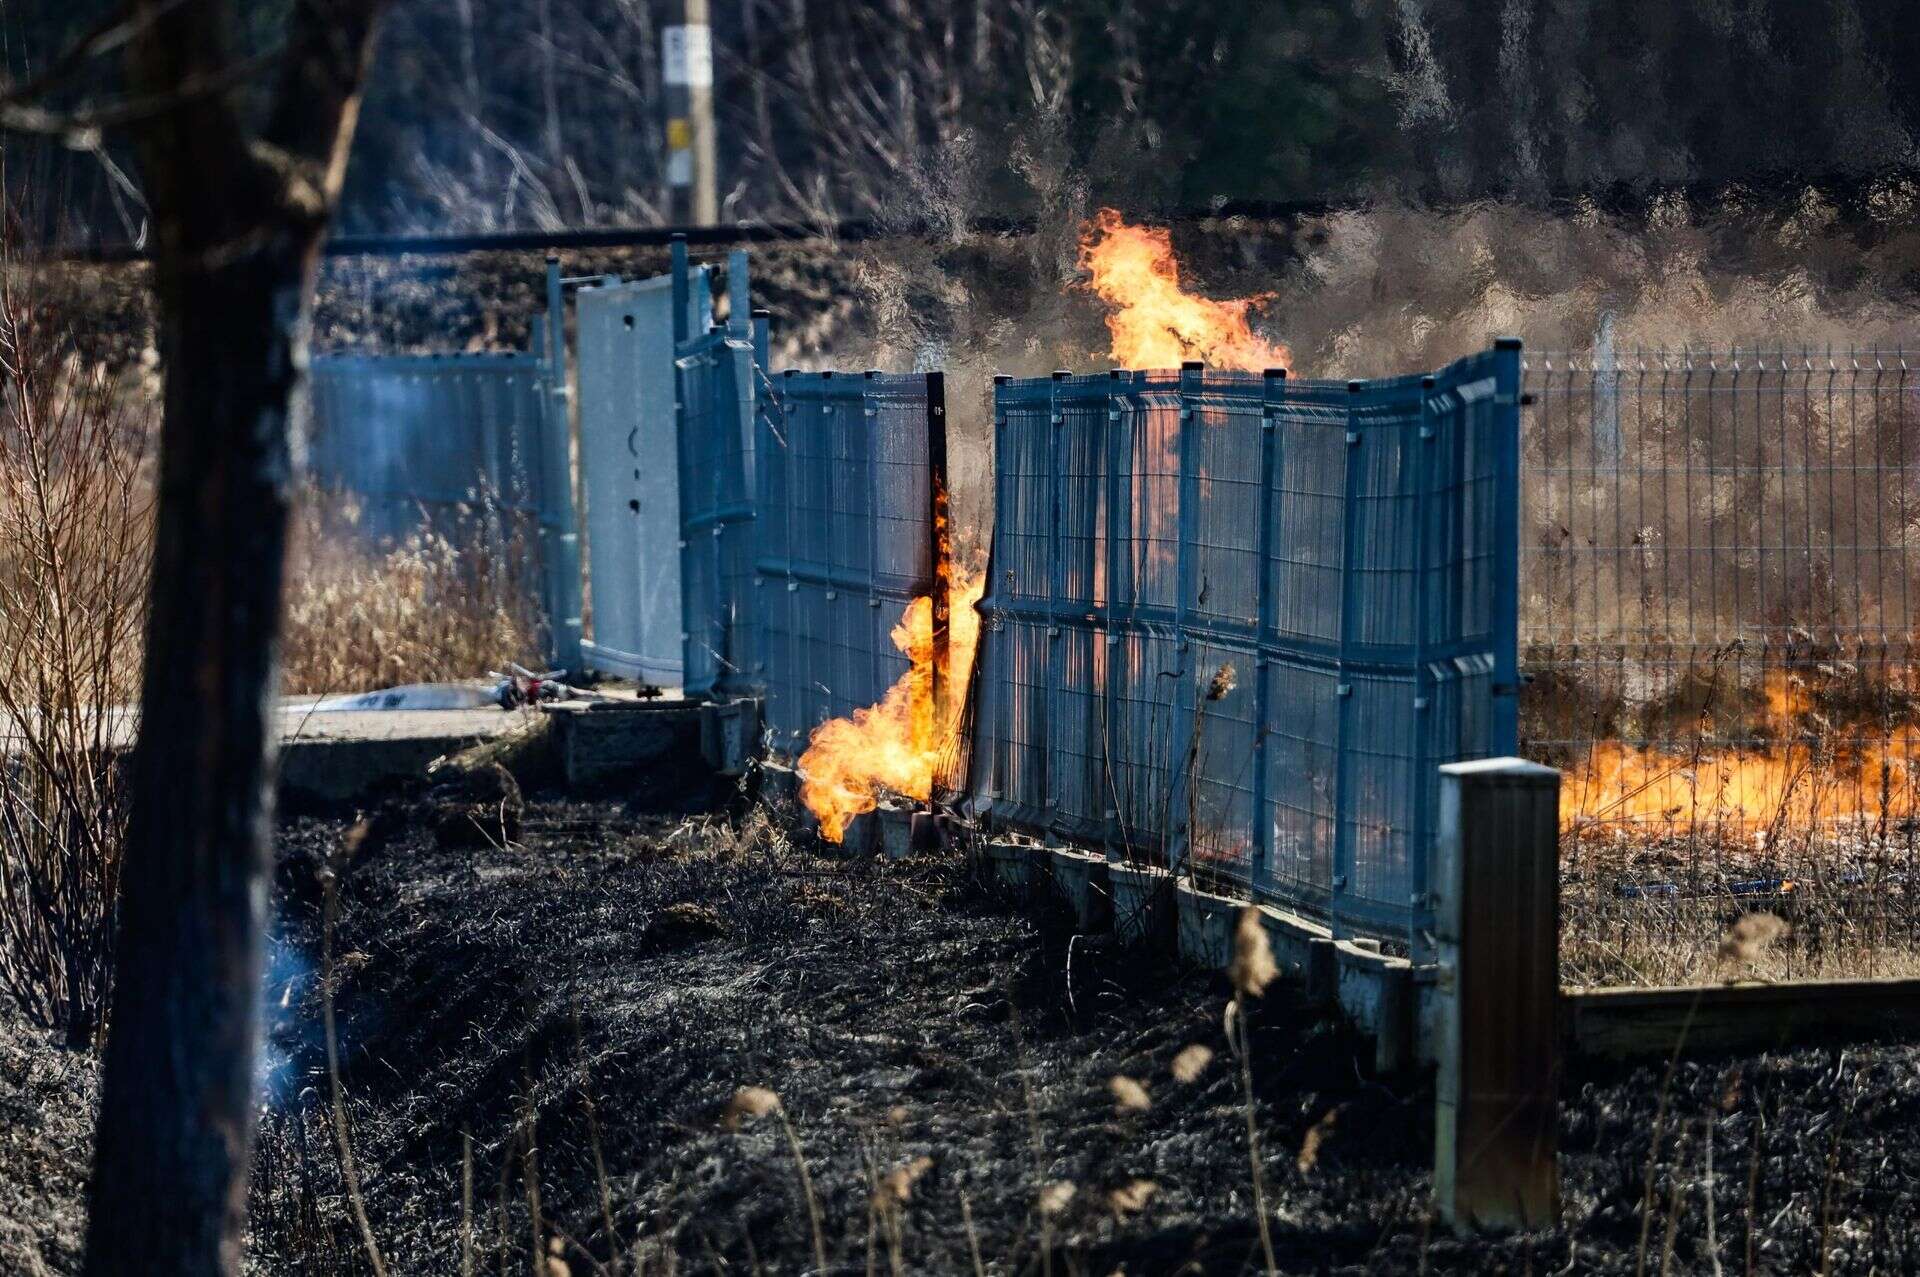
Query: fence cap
(1274,374)
(1506,343)
(1502,769)
(1193,365)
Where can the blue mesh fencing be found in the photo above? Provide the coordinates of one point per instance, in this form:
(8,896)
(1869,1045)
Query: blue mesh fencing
(456,444)
(1235,623)
(845,539)
(716,374)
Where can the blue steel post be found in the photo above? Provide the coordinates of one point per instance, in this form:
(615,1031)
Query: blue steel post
(739,296)
(791,422)
(558,518)
(867,449)
(1192,377)
(1118,524)
(683,443)
(1505,725)
(762,339)
(1427,453)
(1273,393)
(1342,883)
(998,751)
(1056,587)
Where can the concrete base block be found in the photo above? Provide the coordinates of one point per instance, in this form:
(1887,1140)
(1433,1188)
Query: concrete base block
(1012,865)
(1079,878)
(1143,905)
(730,734)
(604,743)
(340,771)
(1205,925)
(894,832)
(1294,940)
(1375,993)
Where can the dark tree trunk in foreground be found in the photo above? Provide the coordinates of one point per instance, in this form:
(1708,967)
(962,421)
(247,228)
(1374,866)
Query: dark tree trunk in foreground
(239,215)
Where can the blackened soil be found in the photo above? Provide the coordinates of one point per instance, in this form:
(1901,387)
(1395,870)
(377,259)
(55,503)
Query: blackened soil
(592,996)
(602,990)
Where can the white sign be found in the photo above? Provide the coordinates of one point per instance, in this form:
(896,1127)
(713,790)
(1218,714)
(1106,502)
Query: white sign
(689,52)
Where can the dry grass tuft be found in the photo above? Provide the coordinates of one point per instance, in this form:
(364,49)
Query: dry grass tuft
(1317,1135)
(896,1186)
(1749,938)
(1131,1197)
(1129,1096)
(1191,1062)
(1055,1196)
(1253,967)
(1224,680)
(748,1103)
(440,605)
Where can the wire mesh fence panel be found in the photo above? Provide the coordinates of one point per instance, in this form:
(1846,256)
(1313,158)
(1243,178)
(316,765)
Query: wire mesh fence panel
(450,445)
(629,475)
(845,542)
(1718,626)
(1259,614)
(716,374)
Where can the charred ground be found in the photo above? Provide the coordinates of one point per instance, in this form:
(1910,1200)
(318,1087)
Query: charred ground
(595,991)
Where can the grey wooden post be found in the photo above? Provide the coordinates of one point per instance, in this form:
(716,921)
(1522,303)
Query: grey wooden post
(1497,1106)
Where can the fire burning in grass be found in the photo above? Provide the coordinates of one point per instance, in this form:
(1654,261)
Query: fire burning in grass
(895,746)
(1155,322)
(1801,770)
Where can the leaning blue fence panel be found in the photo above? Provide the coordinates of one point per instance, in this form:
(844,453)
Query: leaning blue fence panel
(716,385)
(1236,622)
(845,536)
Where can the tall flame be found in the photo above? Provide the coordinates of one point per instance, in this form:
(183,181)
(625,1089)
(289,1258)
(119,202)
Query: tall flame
(1155,322)
(895,746)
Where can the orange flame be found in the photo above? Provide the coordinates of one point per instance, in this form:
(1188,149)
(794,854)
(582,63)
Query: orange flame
(1156,323)
(895,746)
(1796,780)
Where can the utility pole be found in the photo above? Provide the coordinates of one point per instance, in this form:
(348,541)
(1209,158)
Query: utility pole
(688,50)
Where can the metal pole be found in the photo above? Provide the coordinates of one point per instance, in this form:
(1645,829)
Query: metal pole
(1496,1093)
(688,53)
(939,564)
(564,606)
(1505,735)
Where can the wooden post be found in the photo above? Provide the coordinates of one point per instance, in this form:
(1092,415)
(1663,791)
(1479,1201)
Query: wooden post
(1497,1106)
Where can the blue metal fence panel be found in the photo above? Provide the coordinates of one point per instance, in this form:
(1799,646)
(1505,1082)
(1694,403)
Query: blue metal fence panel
(844,540)
(1236,622)
(716,375)
(463,445)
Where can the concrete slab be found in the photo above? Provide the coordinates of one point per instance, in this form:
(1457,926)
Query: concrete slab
(1079,879)
(1143,905)
(1205,925)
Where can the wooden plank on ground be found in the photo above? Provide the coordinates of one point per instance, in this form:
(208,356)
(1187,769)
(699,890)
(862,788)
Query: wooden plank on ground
(1712,1019)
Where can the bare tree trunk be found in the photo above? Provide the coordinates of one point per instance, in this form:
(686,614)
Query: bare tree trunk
(239,218)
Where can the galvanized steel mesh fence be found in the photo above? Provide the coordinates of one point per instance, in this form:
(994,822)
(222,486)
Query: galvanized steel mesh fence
(1718,615)
(629,469)
(1236,623)
(845,532)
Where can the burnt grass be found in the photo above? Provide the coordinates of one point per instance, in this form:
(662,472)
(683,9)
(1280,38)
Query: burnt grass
(591,996)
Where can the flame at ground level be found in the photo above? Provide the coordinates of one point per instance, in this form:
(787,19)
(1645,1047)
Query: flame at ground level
(1783,786)
(1804,769)
(1156,323)
(895,746)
